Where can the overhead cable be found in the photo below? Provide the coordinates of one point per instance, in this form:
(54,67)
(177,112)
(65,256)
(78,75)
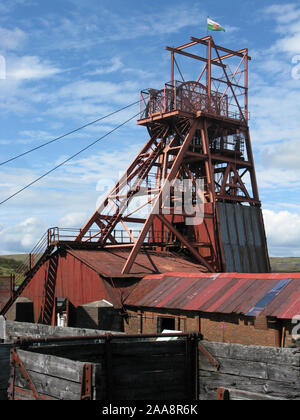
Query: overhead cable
(67,160)
(67,134)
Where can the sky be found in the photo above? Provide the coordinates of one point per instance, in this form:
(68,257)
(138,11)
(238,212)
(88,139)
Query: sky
(66,63)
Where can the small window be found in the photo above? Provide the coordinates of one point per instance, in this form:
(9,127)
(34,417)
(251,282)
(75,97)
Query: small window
(166,323)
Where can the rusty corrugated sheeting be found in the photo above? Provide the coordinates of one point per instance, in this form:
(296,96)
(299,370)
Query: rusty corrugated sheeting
(109,263)
(86,276)
(243,239)
(5,290)
(275,295)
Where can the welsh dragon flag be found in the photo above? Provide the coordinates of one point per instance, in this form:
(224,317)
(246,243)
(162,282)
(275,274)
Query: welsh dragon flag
(214,26)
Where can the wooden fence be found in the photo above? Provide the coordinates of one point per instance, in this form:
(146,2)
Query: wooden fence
(122,367)
(4,369)
(249,372)
(117,370)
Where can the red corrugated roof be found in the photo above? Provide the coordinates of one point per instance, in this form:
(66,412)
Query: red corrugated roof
(274,294)
(110,262)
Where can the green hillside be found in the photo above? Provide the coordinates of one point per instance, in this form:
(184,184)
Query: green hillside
(285,265)
(8,265)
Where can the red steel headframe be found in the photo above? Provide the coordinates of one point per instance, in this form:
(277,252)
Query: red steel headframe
(198,131)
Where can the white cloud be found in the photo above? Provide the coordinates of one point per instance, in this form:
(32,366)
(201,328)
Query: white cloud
(284,13)
(11,39)
(29,67)
(285,155)
(283,232)
(21,237)
(73,220)
(287,18)
(115,65)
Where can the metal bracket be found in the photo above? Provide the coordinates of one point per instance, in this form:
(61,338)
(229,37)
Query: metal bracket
(15,360)
(209,357)
(222,394)
(86,382)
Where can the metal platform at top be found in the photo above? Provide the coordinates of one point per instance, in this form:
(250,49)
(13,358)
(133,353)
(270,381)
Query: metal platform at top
(220,91)
(186,99)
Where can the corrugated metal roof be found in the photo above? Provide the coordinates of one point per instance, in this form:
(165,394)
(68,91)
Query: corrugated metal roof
(110,262)
(275,294)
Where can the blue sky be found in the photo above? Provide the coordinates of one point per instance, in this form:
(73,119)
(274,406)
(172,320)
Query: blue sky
(69,62)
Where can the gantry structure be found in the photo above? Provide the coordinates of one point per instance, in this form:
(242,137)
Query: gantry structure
(198,149)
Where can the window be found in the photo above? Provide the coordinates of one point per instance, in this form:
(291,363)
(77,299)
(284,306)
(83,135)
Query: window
(165,323)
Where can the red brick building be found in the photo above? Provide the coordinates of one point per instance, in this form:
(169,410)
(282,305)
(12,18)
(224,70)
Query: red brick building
(235,308)
(247,309)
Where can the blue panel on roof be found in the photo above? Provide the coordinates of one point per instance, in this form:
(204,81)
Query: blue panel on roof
(261,305)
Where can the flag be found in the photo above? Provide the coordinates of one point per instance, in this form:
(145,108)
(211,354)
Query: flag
(214,26)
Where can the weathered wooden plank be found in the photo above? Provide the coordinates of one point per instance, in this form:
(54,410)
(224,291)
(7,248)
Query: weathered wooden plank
(237,394)
(100,383)
(4,369)
(86,352)
(148,363)
(27,395)
(282,373)
(3,395)
(50,386)
(4,375)
(268,371)
(280,356)
(52,365)
(210,381)
(150,347)
(94,352)
(5,351)
(136,379)
(24,329)
(144,393)
(235,367)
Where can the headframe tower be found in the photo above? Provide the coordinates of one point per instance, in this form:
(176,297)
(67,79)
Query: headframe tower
(198,132)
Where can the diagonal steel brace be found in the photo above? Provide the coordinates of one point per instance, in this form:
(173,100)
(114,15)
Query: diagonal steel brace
(209,357)
(15,360)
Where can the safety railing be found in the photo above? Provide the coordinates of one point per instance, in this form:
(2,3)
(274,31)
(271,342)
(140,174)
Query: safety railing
(55,235)
(29,260)
(129,236)
(187,97)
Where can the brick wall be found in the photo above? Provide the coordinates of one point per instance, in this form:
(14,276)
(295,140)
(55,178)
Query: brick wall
(146,321)
(237,329)
(213,327)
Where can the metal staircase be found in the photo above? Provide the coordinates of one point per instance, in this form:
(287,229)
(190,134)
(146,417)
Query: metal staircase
(29,267)
(49,292)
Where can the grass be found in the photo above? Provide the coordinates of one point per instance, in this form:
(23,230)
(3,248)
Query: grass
(285,265)
(8,265)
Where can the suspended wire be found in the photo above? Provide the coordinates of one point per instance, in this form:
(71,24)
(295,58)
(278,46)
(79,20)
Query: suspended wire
(67,134)
(68,160)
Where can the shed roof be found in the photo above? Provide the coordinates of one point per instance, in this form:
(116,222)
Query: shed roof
(110,262)
(276,295)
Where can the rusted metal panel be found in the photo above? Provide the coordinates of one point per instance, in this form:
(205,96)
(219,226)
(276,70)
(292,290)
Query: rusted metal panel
(254,295)
(75,281)
(243,239)
(6,289)
(85,276)
(109,263)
